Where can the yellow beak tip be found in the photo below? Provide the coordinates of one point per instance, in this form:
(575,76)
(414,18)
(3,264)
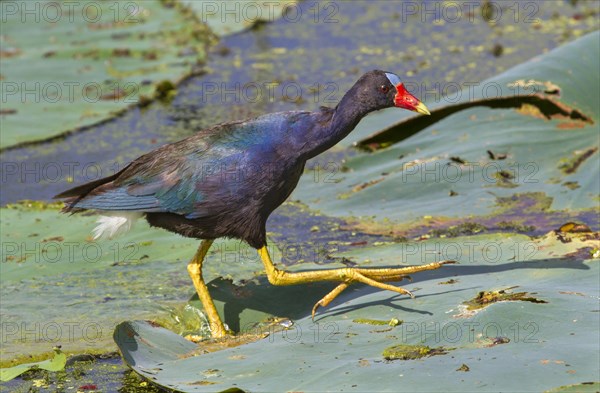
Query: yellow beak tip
(421,108)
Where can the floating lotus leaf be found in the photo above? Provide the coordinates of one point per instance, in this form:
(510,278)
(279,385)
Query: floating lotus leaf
(549,344)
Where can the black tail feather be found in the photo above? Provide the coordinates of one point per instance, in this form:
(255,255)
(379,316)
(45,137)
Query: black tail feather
(75,194)
(84,189)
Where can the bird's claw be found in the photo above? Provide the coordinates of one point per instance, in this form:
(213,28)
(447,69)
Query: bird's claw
(373,278)
(448,262)
(314,309)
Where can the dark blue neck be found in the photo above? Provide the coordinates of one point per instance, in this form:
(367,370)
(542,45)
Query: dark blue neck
(333,125)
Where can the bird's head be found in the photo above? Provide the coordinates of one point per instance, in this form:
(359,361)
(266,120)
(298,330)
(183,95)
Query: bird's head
(381,89)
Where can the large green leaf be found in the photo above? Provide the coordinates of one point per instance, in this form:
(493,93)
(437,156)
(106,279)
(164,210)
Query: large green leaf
(553,338)
(68,65)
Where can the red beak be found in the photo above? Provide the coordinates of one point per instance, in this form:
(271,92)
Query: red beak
(405,100)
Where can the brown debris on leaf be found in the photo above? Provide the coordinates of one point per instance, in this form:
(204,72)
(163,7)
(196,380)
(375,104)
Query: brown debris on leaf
(570,165)
(485,298)
(496,156)
(570,125)
(449,282)
(6,53)
(362,186)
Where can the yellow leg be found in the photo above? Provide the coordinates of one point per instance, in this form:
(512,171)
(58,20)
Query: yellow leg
(217,329)
(372,277)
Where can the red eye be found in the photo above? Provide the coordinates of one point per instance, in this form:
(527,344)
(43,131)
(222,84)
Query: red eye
(384,88)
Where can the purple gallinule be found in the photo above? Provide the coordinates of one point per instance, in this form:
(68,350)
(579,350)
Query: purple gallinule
(226,180)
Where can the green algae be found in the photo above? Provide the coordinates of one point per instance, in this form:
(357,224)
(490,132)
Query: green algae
(365,321)
(462,229)
(412,352)
(29,205)
(582,387)
(532,201)
(512,226)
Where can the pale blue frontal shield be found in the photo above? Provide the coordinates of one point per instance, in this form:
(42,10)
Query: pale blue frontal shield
(393,78)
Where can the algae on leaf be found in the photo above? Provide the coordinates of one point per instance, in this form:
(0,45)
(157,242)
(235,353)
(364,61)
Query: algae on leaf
(411,352)
(583,387)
